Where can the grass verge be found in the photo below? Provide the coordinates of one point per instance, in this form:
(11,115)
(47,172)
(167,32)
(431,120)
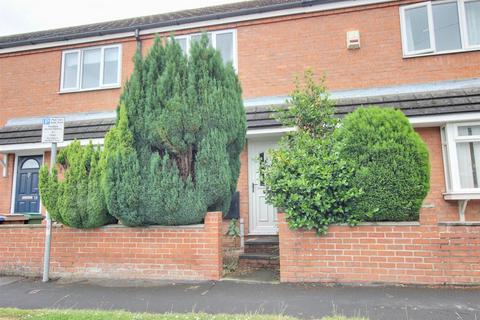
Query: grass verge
(17,314)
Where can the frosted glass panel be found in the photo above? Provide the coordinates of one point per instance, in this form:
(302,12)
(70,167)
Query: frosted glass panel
(468,154)
(224,44)
(472,12)
(110,66)
(91,68)
(70,70)
(416,25)
(30,164)
(447,27)
(469,130)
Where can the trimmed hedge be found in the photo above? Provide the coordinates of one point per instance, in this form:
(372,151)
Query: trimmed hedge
(391,163)
(174,153)
(76,200)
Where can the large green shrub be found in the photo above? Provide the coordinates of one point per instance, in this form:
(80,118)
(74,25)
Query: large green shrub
(76,200)
(174,152)
(391,163)
(306,175)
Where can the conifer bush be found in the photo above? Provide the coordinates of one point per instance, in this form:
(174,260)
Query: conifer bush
(174,151)
(76,200)
(391,163)
(306,176)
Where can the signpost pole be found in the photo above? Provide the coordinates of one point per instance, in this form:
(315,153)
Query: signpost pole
(52,132)
(48,230)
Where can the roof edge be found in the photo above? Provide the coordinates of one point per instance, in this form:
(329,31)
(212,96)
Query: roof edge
(283,9)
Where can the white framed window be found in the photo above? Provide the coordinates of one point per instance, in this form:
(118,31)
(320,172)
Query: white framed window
(441,26)
(462,157)
(91,68)
(224,41)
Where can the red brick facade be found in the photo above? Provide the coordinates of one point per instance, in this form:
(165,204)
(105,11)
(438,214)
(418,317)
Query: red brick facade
(271,52)
(184,253)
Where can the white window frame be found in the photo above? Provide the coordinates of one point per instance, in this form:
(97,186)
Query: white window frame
(464,24)
(432,50)
(451,158)
(80,52)
(214,42)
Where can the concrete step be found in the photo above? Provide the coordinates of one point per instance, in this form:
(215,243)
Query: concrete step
(253,260)
(264,244)
(261,240)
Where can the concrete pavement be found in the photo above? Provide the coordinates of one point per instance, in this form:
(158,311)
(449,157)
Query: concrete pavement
(301,300)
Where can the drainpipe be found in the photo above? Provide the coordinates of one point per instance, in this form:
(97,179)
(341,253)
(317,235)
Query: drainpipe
(139,41)
(242,233)
(48,230)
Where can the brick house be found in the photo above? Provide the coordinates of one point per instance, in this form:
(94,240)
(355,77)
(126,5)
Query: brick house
(421,57)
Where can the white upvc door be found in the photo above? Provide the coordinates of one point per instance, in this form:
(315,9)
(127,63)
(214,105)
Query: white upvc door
(263,217)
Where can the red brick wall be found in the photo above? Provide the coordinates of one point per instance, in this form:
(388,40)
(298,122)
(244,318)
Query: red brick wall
(190,252)
(432,252)
(423,254)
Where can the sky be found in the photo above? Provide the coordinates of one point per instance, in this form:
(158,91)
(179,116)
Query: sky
(20,16)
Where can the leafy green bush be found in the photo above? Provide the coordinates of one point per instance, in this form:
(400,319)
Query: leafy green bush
(306,175)
(391,163)
(76,200)
(174,152)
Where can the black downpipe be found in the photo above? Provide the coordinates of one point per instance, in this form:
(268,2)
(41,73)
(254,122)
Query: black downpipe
(138,40)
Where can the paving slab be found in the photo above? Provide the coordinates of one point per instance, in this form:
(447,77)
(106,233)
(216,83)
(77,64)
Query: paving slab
(307,301)
(254,276)
(8,280)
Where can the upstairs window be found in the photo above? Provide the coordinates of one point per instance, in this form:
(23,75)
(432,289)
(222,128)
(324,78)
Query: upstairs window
(90,68)
(440,26)
(224,41)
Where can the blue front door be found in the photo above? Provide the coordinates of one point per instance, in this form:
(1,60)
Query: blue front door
(27,198)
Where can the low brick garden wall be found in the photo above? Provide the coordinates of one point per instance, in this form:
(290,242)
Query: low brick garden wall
(401,253)
(118,252)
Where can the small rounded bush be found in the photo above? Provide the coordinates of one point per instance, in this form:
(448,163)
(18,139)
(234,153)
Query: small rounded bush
(306,175)
(391,163)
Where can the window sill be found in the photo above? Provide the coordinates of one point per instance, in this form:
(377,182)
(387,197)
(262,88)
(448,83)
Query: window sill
(461,196)
(408,56)
(88,90)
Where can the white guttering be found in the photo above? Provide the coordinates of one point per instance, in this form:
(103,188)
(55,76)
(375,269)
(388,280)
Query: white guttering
(68,42)
(441,119)
(251,133)
(207,23)
(38,146)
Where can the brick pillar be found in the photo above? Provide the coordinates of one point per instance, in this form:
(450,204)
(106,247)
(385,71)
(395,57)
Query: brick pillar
(284,238)
(213,227)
